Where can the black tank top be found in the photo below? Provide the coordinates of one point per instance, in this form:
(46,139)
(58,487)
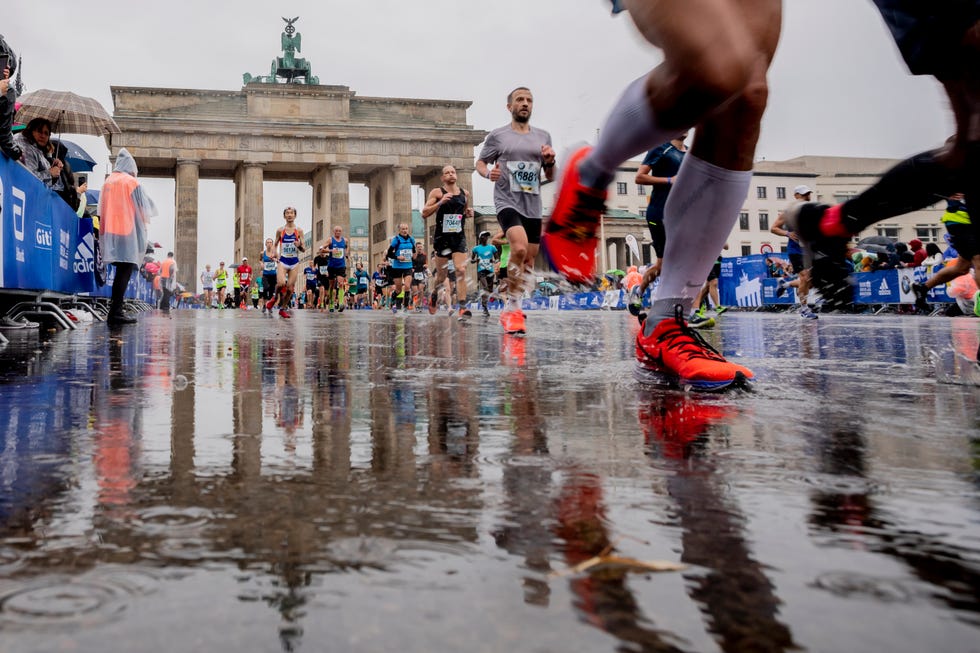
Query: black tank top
(449,217)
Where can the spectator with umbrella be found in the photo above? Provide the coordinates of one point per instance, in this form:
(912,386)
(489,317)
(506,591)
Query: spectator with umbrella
(125,211)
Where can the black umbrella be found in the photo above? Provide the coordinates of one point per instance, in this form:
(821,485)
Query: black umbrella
(884,241)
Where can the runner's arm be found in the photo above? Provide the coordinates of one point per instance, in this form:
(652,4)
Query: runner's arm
(433,202)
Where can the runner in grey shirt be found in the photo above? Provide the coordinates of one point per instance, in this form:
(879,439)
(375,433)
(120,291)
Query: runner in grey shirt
(520,155)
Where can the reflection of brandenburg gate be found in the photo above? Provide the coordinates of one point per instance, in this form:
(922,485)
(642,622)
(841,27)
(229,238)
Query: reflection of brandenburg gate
(324,135)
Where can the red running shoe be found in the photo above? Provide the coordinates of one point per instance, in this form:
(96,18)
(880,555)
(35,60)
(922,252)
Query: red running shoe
(513,321)
(284,313)
(270,304)
(569,240)
(680,353)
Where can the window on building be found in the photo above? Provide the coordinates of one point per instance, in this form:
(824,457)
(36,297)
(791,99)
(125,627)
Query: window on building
(760,192)
(620,187)
(842,196)
(763,221)
(641,190)
(927,233)
(743,221)
(746,250)
(889,231)
(780,192)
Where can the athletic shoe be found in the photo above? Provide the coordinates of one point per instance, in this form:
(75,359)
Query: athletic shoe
(681,354)
(513,321)
(699,320)
(720,309)
(486,312)
(976,304)
(269,305)
(340,309)
(921,294)
(569,240)
(120,318)
(465,314)
(830,271)
(284,313)
(807,313)
(434,304)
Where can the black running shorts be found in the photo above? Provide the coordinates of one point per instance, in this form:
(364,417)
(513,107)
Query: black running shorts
(929,34)
(532,226)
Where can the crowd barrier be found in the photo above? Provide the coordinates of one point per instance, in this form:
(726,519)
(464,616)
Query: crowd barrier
(745,282)
(44,246)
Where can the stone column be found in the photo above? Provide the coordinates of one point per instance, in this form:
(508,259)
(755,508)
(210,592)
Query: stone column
(621,262)
(249,210)
(402,196)
(185,222)
(380,222)
(321,205)
(339,199)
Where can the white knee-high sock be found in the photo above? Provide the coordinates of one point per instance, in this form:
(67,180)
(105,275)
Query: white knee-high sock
(701,209)
(630,129)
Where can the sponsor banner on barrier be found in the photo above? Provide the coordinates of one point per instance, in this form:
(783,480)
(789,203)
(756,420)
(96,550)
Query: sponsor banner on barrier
(769,287)
(740,282)
(43,244)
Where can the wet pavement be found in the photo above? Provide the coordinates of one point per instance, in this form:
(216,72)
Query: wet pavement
(360,481)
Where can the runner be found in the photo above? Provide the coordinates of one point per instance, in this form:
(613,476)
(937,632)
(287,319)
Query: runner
(244,274)
(400,253)
(363,283)
(419,261)
(221,283)
(309,292)
(658,170)
(941,39)
(698,319)
(485,255)
(961,237)
(289,243)
(450,205)
(207,281)
(270,260)
(713,77)
(321,262)
(519,153)
(795,253)
(338,269)
(380,278)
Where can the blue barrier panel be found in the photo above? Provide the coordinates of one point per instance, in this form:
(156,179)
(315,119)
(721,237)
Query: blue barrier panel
(138,288)
(43,244)
(769,297)
(740,282)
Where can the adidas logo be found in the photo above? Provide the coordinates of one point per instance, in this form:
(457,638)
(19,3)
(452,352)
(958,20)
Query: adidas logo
(85,255)
(884,289)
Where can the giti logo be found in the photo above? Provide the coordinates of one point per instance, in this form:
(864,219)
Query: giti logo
(42,236)
(85,255)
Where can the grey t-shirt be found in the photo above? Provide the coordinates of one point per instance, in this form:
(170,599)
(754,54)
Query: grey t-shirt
(519,157)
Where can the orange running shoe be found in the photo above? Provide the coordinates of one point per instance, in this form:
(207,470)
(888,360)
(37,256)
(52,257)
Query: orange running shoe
(284,313)
(569,240)
(680,353)
(513,321)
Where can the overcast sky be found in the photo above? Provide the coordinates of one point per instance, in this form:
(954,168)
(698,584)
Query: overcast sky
(838,85)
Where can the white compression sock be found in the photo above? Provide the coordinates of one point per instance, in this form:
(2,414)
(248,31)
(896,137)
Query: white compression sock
(701,209)
(629,130)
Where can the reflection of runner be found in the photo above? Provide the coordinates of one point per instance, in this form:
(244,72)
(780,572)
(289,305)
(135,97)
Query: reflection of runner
(520,153)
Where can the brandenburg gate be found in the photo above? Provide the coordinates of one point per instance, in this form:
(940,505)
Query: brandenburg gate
(298,130)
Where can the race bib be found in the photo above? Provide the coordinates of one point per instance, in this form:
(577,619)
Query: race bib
(337,252)
(524,176)
(311,276)
(324,270)
(289,250)
(420,276)
(484,264)
(379,282)
(452,223)
(405,255)
(362,282)
(268,266)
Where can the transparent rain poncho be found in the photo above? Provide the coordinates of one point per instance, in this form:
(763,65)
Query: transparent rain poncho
(125,211)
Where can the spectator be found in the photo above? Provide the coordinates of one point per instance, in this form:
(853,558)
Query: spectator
(125,211)
(934,255)
(918,252)
(903,255)
(8,98)
(868,263)
(34,144)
